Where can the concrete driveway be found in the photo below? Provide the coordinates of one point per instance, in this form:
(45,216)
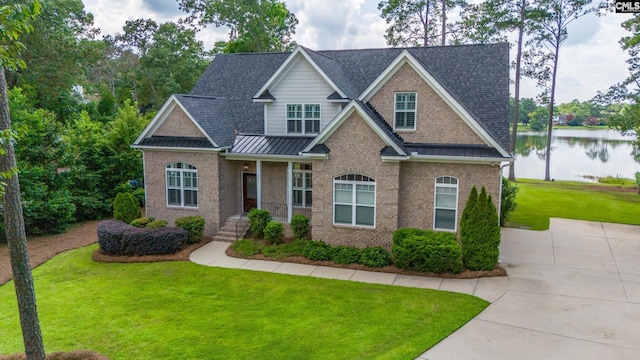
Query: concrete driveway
(573,293)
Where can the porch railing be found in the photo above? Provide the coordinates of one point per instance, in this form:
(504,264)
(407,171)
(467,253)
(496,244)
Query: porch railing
(279,211)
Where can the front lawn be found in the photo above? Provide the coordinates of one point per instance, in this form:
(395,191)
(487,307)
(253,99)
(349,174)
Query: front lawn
(540,200)
(180,310)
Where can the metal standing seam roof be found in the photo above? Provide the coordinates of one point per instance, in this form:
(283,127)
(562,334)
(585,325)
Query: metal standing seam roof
(477,151)
(177,141)
(269,145)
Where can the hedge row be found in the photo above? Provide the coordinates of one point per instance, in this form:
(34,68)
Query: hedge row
(426,251)
(118,238)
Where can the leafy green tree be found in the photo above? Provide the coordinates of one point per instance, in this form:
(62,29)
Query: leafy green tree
(417,22)
(490,21)
(254,26)
(549,31)
(57,53)
(480,232)
(16,20)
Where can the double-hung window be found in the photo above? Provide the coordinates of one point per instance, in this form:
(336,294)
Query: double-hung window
(446,203)
(405,111)
(303,118)
(302,185)
(354,200)
(182,185)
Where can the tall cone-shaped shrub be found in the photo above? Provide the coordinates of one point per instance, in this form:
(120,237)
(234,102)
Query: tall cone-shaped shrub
(480,232)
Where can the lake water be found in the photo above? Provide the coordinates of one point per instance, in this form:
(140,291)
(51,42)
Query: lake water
(577,155)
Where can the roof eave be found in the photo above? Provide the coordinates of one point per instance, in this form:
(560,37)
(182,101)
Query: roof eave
(177,148)
(460,159)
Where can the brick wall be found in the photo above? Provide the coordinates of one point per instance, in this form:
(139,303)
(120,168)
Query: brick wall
(417,184)
(178,124)
(355,149)
(206,163)
(436,122)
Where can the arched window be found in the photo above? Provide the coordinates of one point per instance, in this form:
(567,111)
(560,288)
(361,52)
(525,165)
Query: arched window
(354,200)
(182,185)
(446,203)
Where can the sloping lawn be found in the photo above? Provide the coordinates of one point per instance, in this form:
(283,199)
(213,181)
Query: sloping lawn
(180,310)
(539,200)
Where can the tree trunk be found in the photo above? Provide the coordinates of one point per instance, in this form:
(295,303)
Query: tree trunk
(17,241)
(444,21)
(516,100)
(426,25)
(551,98)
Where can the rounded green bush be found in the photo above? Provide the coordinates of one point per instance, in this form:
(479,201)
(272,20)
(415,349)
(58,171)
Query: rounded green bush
(194,226)
(375,256)
(274,232)
(300,226)
(142,222)
(157,224)
(258,220)
(126,207)
(317,250)
(345,254)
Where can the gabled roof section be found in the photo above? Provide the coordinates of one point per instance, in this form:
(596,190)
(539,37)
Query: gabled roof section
(406,57)
(323,63)
(176,142)
(173,102)
(371,117)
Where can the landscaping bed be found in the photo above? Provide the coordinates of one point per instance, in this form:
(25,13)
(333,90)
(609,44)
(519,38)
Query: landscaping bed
(465,274)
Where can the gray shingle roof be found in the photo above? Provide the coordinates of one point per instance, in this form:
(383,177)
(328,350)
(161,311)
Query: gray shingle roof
(212,114)
(476,75)
(269,145)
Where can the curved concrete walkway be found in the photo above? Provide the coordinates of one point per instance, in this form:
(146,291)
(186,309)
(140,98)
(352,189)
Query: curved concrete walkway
(572,292)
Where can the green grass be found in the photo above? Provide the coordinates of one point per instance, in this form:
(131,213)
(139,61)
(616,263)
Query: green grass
(539,200)
(180,310)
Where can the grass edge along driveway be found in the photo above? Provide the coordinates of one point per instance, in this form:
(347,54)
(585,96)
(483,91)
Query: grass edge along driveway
(540,200)
(180,310)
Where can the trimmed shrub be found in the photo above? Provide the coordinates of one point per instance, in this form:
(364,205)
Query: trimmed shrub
(345,254)
(258,220)
(300,226)
(295,248)
(317,250)
(508,201)
(142,222)
(432,251)
(246,247)
(126,207)
(274,232)
(375,256)
(638,180)
(194,226)
(118,238)
(157,224)
(480,233)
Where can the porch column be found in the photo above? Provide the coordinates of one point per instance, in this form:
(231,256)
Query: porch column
(289,191)
(259,183)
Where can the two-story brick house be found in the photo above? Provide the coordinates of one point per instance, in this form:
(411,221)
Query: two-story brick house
(361,141)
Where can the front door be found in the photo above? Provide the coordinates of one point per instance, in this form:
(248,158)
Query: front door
(249,191)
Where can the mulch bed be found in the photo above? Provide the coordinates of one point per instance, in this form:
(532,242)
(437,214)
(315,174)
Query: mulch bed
(465,274)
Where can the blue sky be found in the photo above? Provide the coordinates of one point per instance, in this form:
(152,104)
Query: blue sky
(590,59)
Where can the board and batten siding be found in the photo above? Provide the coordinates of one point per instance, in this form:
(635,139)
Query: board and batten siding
(302,84)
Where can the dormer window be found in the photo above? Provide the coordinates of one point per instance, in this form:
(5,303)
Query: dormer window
(405,111)
(303,122)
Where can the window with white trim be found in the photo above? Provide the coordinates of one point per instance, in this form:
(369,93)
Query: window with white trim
(405,111)
(446,203)
(303,122)
(182,185)
(302,185)
(354,200)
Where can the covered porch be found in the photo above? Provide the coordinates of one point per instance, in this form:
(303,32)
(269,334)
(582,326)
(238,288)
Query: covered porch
(274,174)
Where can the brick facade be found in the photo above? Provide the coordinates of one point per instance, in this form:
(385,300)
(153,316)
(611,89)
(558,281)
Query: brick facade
(178,124)
(436,122)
